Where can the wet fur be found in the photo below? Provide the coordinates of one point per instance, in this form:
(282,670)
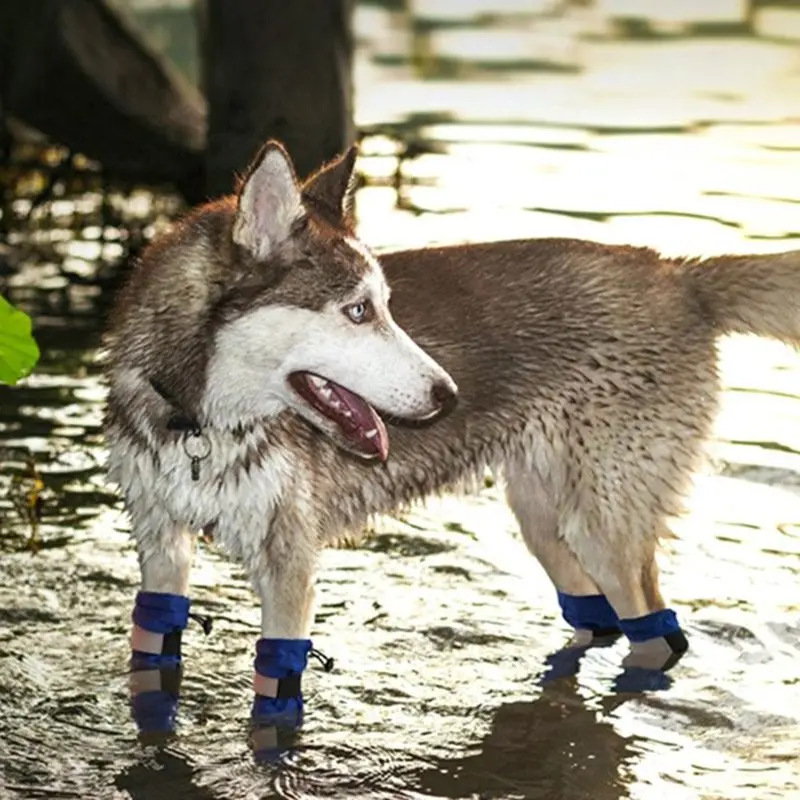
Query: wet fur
(587,378)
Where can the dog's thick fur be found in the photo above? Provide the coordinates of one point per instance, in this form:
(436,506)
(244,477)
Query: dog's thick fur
(586,376)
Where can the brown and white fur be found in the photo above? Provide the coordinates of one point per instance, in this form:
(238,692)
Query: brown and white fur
(586,377)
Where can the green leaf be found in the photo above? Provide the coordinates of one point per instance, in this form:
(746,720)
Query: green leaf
(18,349)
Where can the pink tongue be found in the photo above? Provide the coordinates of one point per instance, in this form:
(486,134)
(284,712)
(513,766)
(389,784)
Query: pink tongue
(363,421)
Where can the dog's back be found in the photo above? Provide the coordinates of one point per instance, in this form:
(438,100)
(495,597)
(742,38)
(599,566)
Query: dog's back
(574,342)
(588,378)
(562,349)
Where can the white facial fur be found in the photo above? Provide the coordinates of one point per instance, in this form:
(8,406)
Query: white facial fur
(255,354)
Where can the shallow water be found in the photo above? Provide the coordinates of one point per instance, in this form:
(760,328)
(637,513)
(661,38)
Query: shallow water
(440,623)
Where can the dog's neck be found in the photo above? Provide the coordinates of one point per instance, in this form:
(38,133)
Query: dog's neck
(182,421)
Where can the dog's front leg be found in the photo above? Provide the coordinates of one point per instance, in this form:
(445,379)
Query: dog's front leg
(284,580)
(161,611)
(160,614)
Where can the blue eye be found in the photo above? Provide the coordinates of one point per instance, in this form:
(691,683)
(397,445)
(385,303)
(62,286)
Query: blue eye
(358,312)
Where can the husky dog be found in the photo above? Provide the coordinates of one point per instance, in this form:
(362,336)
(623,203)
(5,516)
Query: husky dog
(274,382)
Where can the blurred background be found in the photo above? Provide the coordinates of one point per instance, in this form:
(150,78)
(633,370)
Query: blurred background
(670,124)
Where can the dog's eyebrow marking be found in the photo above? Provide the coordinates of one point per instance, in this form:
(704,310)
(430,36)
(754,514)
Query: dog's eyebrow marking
(363,251)
(374,282)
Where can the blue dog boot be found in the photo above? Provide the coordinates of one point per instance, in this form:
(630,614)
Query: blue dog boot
(159,620)
(594,623)
(278,703)
(154,698)
(276,722)
(657,641)
(591,616)
(279,666)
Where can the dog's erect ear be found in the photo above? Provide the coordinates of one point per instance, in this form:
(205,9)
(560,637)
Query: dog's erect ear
(333,187)
(269,202)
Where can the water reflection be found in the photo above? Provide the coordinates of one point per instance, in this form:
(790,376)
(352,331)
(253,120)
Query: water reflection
(559,745)
(171,772)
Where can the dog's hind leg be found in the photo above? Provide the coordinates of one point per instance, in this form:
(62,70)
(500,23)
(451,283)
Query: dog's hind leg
(583,605)
(618,552)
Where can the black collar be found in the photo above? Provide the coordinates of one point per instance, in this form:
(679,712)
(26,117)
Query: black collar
(183,422)
(180,419)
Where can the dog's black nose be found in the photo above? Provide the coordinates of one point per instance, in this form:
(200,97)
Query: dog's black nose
(445,395)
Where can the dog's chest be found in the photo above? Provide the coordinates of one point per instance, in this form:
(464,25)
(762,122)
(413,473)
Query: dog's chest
(231,484)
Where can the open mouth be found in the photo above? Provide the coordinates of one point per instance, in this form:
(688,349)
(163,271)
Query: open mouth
(356,418)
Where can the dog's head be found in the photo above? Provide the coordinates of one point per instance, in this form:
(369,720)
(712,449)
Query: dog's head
(303,321)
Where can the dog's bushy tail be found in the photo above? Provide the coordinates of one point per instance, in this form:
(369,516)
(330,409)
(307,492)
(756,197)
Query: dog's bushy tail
(757,294)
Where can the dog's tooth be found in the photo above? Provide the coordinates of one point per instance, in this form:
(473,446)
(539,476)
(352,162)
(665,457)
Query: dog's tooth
(320,383)
(371,434)
(325,391)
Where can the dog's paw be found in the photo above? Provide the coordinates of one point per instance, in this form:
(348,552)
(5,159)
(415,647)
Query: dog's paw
(661,653)
(646,665)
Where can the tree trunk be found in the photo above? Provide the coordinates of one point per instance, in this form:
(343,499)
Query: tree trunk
(275,69)
(76,71)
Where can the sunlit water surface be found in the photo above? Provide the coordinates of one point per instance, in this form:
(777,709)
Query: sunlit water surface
(440,622)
